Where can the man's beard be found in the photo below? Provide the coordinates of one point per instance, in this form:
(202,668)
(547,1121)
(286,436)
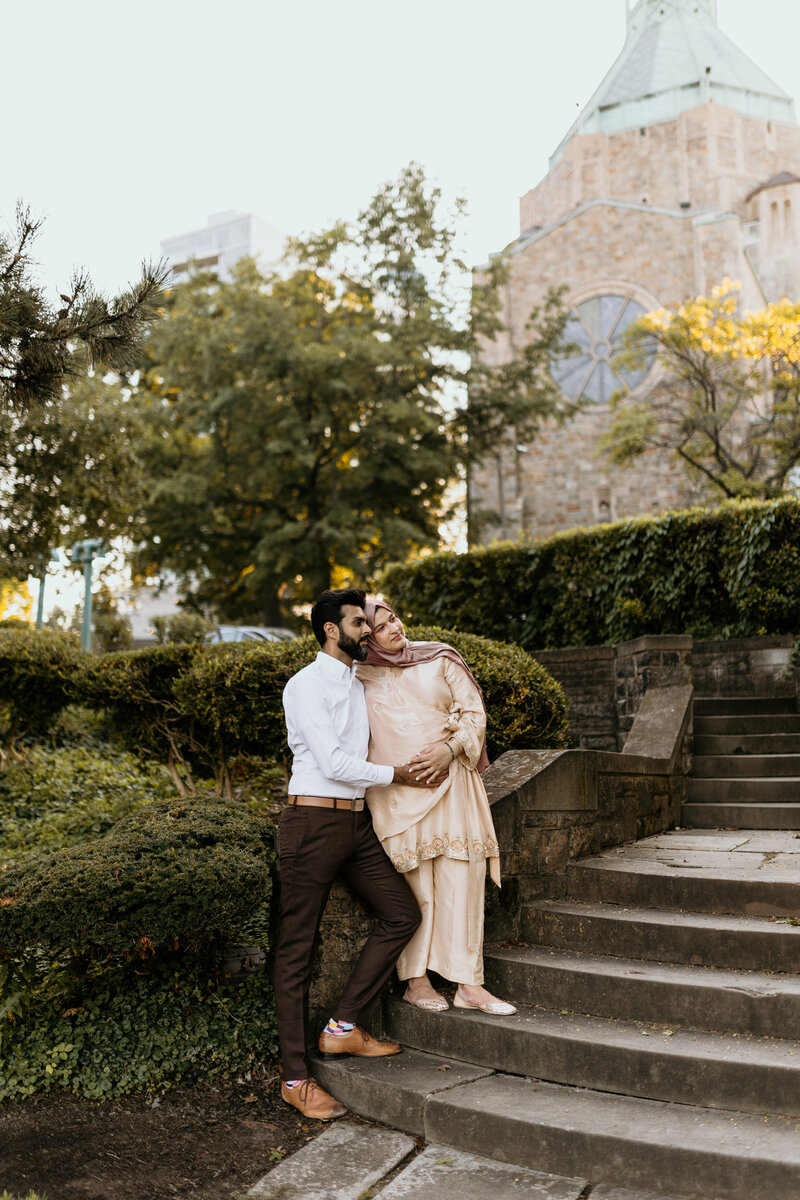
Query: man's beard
(358,651)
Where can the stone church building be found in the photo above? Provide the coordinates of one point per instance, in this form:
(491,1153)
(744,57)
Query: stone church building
(683,168)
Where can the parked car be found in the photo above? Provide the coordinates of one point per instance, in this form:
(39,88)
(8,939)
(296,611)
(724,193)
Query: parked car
(250,633)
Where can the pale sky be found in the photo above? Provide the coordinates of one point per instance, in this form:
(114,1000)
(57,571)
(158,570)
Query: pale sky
(128,123)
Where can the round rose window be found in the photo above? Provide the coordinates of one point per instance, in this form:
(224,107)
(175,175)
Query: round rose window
(597,327)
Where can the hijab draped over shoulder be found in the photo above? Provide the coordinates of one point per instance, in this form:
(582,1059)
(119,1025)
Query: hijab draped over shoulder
(412,653)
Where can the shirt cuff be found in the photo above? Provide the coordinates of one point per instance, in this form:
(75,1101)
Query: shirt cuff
(385,775)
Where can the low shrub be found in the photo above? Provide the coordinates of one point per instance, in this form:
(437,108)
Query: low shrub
(111,1031)
(65,795)
(726,572)
(169,874)
(39,674)
(136,688)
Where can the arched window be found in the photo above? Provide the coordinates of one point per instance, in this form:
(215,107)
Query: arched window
(787,217)
(597,327)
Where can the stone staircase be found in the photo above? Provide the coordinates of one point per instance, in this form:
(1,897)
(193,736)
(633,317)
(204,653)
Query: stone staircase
(746,764)
(657,1046)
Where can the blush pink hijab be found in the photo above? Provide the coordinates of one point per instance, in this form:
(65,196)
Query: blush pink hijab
(412,653)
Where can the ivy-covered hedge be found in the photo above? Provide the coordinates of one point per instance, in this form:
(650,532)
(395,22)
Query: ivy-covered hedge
(172,874)
(727,572)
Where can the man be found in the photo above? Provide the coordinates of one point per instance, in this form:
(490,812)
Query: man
(326,831)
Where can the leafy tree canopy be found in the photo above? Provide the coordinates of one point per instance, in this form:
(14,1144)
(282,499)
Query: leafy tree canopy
(68,470)
(726,396)
(304,427)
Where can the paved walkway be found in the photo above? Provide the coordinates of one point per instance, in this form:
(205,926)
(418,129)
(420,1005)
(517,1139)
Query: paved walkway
(352,1161)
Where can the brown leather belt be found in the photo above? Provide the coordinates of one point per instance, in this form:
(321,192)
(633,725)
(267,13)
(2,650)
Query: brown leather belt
(335,802)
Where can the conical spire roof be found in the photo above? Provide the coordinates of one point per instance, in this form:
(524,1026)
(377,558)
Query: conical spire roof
(676,57)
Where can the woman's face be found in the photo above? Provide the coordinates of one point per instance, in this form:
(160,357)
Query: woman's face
(388,631)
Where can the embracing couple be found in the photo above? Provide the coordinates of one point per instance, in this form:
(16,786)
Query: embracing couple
(405,723)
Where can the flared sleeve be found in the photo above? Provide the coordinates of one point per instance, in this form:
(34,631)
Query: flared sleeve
(466,725)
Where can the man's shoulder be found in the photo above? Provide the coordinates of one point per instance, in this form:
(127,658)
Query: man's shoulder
(303,678)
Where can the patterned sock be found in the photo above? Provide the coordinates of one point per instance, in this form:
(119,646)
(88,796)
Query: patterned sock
(292,1083)
(339,1028)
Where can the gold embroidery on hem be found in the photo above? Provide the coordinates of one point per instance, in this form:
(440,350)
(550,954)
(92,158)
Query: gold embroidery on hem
(456,847)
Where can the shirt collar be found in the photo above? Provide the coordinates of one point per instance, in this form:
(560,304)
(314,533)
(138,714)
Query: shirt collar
(334,668)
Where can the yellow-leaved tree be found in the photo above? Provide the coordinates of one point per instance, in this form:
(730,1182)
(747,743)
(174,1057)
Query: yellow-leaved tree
(724,395)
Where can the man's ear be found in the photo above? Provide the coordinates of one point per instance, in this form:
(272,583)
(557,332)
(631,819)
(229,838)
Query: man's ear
(331,631)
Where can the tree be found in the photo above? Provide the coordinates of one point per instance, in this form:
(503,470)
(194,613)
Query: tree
(68,470)
(726,396)
(304,429)
(41,347)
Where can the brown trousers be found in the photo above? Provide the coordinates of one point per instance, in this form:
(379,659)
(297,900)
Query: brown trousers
(314,846)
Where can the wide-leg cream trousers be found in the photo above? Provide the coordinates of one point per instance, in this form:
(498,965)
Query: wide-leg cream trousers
(449,940)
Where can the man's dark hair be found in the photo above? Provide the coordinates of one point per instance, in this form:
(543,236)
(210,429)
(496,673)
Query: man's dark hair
(328,607)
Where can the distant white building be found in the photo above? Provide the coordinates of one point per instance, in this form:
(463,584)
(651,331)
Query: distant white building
(220,243)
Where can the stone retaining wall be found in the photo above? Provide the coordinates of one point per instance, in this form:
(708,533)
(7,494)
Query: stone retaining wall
(605,685)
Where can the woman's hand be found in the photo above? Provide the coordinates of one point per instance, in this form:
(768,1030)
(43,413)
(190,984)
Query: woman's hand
(431,762)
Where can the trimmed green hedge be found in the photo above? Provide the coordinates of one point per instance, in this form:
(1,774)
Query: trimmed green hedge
(212,705)
(727,572)
(39,674)
(172,874)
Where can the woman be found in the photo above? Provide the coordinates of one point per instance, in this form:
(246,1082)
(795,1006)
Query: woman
(423,694)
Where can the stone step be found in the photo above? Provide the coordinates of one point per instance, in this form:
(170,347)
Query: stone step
(761,723)
(740,816)
(747,743)
(749,766)
(726,706)
(442,1173)
(357,1156)
(699,1154)
(655,1062)
(785,788)
(693,997)
(660,935)
(648,1145)
(744,885)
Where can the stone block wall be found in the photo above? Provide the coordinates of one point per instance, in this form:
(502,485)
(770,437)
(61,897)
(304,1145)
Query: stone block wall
(743,667)
(605,685)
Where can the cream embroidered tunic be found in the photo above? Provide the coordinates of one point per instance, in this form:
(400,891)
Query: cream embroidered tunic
(410,707)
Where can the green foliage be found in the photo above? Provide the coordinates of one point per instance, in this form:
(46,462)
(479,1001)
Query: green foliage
(112,1031)
(181,627)
(725,572)
(136,688)
(169,874)
(60,797)
(39,672)
(526,708)
(39,347)
(302,426)
(725,400)
(71,470)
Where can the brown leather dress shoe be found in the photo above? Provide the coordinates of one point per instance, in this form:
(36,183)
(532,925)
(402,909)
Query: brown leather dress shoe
(312,1101)
(336,1045)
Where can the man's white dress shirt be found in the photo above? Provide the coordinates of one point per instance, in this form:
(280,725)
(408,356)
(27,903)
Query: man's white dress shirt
(328,732)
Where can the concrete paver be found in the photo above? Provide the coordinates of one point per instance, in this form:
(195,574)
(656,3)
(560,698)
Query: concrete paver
(341,1164)
(442,1173)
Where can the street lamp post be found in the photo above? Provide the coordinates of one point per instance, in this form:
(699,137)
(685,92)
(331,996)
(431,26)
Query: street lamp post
(86,552)
(54,557)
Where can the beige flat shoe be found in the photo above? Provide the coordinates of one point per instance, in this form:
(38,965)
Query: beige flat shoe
(495,1008)
(436,1003)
